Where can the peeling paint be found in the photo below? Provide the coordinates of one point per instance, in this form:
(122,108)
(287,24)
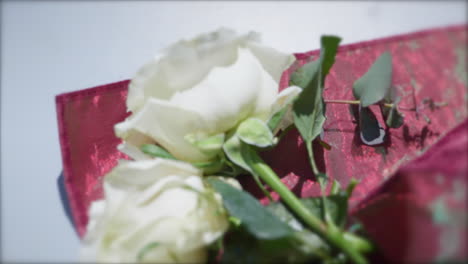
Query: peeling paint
(414,45)
(440,215)
(449,93)
(459,190)
(416,85)
(460,67)
(450,221)
(448,240)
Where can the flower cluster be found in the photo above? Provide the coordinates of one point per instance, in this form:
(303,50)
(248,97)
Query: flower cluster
(187,101)
(201,89)
(158,203)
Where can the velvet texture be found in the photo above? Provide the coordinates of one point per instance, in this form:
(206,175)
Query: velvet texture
(400,208)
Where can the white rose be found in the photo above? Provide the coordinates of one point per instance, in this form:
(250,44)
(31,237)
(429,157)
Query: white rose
(159,204)
(201,88)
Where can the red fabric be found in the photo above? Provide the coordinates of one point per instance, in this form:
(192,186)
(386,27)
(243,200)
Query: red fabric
(420,214)
(86,121)
(424,63)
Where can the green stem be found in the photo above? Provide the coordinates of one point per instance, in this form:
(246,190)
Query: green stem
(342,101)
(355,102)
(311,158)
(262,188)
(362,245)
(269,176)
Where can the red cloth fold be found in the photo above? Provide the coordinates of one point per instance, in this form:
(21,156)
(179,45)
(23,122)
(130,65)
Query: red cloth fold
(426,65)
(420,214)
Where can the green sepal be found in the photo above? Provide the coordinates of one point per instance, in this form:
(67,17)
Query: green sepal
(254,131)
(232,149)
(275,120)
(212,166)
(141,254)
(209,146)
(156,151)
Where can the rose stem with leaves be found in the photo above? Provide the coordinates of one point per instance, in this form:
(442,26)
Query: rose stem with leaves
(335,239)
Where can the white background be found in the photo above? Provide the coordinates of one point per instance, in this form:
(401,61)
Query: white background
(49,48)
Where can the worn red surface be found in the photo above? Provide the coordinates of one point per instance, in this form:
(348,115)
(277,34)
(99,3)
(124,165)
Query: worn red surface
(426,65)
(420,214)
(86,122)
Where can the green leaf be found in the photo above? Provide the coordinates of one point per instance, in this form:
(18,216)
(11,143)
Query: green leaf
(391,96)
(322,178)
(351,185)
(258,220)
(311,240)
(329,47)
(375,83)
(254,131)
(278,209)
(309,108)
(243,248)
(336,186)
(210,167)
(156,151)
(232,148)
(235,221)
(303,76)
(146,249)
(209,146)
(275,120)
(231,170)
(393,118)
(336,207)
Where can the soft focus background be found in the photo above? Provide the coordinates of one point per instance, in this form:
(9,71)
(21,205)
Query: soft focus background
(52,47)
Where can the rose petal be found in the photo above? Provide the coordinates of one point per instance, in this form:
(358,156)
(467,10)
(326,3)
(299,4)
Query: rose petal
(182,66)
(285,97)
(230,94)
(134,175)
(168,209)
(167,124)
(273,61)
(132,151)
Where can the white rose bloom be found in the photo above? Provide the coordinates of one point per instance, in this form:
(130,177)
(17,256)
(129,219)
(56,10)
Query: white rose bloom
(204,87)
(157,204)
